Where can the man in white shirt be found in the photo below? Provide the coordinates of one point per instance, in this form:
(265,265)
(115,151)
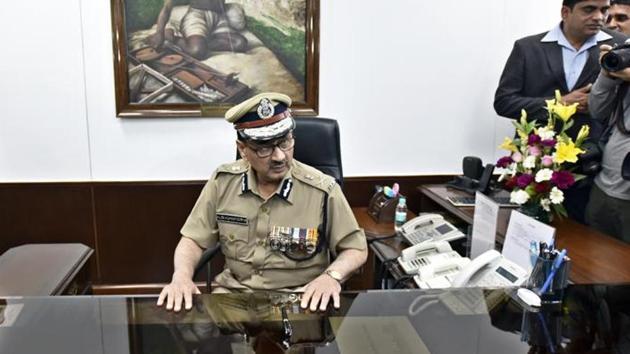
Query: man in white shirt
(566,59)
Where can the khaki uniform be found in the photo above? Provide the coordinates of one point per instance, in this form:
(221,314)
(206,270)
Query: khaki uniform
(231,211)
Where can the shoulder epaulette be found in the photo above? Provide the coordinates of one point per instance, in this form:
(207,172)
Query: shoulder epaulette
(235,168)
(313,177)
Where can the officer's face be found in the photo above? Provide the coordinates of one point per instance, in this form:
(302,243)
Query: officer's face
(271,168)
(586,18)
(619,18)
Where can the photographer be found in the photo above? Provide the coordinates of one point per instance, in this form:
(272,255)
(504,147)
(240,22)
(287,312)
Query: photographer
(609,101)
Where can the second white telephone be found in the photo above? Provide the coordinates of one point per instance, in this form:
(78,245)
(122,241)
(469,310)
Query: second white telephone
(426,254)
(490,269)
(429,227)
(438,266)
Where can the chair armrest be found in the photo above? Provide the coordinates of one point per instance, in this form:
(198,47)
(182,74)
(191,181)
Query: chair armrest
(206,256)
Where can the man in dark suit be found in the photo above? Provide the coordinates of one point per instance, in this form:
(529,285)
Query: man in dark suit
(566,59)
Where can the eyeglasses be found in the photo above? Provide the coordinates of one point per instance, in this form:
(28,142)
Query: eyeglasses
(266,150)
(617,18)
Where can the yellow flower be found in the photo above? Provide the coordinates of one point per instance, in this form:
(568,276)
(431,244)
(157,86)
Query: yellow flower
(565,112)
(558,96)
(566,151)
(508,145)
(550,105)
(583,134)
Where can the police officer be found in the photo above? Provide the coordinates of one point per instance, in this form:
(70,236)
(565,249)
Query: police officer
(282,225)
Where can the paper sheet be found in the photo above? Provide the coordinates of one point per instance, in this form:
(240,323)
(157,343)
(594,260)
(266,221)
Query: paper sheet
(522,230)
(484,225)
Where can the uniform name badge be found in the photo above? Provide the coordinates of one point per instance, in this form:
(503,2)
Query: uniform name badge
(294,241)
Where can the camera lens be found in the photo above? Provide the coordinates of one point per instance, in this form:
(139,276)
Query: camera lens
(611,62)
(617,59)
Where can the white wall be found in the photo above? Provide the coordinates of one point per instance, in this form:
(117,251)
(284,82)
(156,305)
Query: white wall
(410,81)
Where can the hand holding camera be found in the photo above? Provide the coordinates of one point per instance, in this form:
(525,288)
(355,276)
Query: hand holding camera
(615,61)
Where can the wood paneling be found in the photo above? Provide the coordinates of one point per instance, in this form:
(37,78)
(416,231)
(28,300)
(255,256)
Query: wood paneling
(47,213)
(133,226)
(138,228)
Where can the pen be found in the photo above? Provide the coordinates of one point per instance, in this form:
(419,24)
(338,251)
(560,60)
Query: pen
(554,268)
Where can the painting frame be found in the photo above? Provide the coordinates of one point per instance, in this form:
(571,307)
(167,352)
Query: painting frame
(126,109)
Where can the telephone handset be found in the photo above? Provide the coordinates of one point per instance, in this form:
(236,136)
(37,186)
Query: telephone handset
(440,274)
(490,269)
(429,227)
(426,254)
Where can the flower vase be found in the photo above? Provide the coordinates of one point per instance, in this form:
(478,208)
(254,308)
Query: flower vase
(536,211)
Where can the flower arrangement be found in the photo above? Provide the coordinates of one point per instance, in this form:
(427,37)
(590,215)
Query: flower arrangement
(539,167)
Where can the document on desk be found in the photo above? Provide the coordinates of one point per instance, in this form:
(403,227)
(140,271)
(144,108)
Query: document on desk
(373,335)
(484,230)
(521,232)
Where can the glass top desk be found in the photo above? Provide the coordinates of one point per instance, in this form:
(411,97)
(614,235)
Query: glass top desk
(591,319)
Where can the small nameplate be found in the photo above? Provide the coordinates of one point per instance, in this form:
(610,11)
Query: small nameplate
(232,219)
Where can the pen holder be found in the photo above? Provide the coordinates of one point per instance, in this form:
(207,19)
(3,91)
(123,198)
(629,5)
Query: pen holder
(539,275)
(382,208)
(542,329)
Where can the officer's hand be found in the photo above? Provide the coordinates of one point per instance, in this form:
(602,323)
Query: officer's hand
(579,96)
(319,291)
(180,288)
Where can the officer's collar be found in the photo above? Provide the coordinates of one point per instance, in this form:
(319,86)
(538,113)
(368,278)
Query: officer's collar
(249,183)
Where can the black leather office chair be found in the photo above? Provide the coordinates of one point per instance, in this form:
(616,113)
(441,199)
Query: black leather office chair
(317,145)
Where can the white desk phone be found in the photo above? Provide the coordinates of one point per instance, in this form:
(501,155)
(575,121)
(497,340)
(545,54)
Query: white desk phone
(438,266)
(429,227)
(426,254)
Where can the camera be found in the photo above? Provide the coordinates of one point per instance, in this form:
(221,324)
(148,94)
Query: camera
(590,161)
(617,59)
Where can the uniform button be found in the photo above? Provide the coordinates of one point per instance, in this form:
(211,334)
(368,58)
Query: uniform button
(259,272)
(309,177)
(261,242)
(265,209)
(235,168)
(231,237)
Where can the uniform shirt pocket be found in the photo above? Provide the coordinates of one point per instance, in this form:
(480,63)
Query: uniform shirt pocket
(234,240)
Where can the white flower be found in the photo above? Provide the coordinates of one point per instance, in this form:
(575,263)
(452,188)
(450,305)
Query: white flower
(543,175)
(519,197)
(529,162)
(546,133)
(545,204)
(556,195)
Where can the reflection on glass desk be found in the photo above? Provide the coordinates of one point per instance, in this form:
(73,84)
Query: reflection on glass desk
(591,319)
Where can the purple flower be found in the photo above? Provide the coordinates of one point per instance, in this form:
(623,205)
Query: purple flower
(562,179)
(504,162)
(517,157)
(548,143)
(534,150)
(524,180)
(533,139)
(547,161)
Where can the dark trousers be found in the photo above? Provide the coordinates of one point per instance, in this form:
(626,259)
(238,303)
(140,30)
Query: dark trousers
(609,215)
(576,199)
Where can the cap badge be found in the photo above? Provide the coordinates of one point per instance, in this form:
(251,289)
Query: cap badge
(265,109)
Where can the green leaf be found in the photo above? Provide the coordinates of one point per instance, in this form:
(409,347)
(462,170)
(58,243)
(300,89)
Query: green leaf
(560,210)
(578,177)
(568,125)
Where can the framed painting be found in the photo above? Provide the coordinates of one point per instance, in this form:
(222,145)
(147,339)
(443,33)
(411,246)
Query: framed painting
(193,58)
